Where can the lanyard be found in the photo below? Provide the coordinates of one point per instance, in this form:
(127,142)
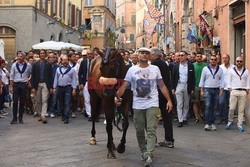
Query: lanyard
(23,69)
(244,69)
(217,69)
(68,69)
(3,70)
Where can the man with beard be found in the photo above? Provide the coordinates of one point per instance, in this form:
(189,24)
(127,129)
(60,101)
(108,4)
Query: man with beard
(65,84)
(144,80)
(238,86)
(212,86)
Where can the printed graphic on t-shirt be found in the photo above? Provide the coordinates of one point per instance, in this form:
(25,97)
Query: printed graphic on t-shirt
(143,84)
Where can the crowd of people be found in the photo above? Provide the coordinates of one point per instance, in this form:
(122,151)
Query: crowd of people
(49,84)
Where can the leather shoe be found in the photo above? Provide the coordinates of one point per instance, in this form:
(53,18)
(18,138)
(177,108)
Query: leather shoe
(21,121)
(185,123)
(44,121)
(14,121)
(180,124)
(66,121)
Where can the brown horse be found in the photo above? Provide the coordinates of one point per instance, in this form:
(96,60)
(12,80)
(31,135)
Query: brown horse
(106,74)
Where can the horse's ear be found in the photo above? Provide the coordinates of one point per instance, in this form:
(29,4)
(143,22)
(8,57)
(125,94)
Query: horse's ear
(100,53)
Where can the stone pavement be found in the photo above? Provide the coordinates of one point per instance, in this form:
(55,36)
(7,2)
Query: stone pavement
(58,145)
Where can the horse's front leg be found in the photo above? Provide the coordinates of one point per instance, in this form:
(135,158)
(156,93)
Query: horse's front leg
(109,129)
(125,125)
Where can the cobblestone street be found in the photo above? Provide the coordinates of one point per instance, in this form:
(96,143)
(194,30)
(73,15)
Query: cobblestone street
(56,144)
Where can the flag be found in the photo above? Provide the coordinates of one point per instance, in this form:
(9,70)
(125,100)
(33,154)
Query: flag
(191,38)
(205,29)
(155,13)
(149,24)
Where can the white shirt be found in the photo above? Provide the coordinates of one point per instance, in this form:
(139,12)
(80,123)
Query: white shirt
(144,86)
(4,75)
(183,72)
(235,82)
(210,81)
(225,73)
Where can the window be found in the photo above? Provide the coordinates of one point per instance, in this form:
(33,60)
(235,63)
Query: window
(54,8)
(7,30)
(88,3)
(70,14)
(132,37)
(5,2)
(88,23)
(133,20)
(62,9)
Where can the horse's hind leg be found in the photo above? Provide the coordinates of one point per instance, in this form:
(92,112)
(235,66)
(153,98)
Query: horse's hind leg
(95,106)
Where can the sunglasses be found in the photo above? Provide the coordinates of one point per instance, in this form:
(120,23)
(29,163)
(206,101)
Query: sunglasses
(213,59)
(182,55)
(239,61)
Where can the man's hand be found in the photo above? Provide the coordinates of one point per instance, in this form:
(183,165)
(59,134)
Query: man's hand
(230,90)
(202,93)
(11,89)
(221,92)
(73,92)
(33,91)
(118,102)
(81,87)
(173,91)
(169,106)
(192,92)
(51,91)
(54,91)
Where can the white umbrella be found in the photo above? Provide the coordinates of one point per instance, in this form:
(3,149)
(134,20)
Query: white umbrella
(74,46)
(49,45)
(2,49)
(56,46)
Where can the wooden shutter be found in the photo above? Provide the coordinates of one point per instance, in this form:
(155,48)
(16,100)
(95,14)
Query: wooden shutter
(73,16)
(60,9)
(80,17)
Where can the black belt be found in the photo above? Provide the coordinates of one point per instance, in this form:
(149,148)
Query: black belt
(64,86)
(240,89)
(20,82)
(213,88)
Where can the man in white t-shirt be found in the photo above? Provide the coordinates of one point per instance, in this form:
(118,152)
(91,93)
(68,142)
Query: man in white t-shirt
(144,80)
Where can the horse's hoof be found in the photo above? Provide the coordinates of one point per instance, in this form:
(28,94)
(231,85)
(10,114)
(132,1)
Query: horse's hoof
(111,155)
(92,141)
(121,148)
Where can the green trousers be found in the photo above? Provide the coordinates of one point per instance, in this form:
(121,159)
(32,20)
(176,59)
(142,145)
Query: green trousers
(146,120)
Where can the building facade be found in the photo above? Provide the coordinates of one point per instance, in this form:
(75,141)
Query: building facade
(126,24)
(98,21)
(24,23)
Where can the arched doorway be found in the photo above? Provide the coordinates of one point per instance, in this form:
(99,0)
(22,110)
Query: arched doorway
(8,35)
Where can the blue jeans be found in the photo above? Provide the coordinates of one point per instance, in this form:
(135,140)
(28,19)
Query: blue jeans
(211,96)
(64,97)
(224,105)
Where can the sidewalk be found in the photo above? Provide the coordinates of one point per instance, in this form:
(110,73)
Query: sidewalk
(55,144)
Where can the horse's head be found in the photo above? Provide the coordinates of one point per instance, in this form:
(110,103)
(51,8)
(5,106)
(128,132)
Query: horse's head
(112,69)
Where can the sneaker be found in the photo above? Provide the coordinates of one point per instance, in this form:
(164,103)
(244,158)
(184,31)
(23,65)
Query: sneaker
(35,114)
(228,126)
(104,122)
(213,127)
(73,115)
(46,115)
(3,113)
(52,115)
(240,128)
(207,127)
(1,116)
(78,109)
(148,162)
(143,158)
(166,143)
